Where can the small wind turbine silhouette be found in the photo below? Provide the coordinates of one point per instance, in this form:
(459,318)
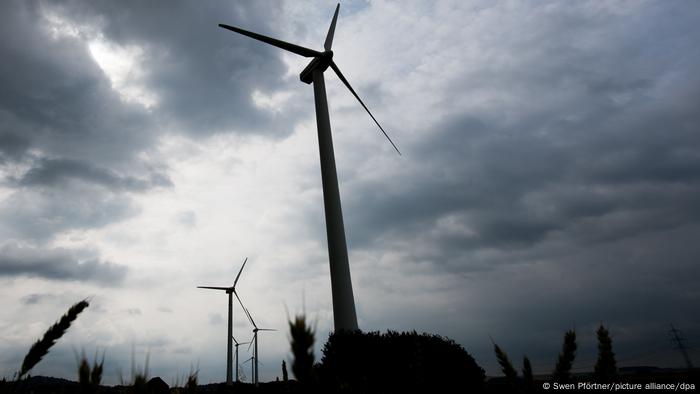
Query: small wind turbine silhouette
(344,316)
(230,291)
(237,345)
(252,367)
(254,341)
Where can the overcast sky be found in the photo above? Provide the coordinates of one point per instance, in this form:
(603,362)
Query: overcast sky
(550,177)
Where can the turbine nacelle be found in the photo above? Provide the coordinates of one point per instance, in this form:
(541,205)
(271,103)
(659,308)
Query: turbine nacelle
(320,63)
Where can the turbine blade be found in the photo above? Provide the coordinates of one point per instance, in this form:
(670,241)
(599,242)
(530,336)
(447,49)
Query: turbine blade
(251,343)
(266,329)
(299,50)
(213,288)
(331,30)
(345,81)
(250,318)
(239,273)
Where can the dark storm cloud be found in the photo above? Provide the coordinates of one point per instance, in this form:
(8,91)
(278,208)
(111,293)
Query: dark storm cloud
(58,264)
(57,100)
(571,200)
(80,144)
(204,75)
(11,145)
(583,147)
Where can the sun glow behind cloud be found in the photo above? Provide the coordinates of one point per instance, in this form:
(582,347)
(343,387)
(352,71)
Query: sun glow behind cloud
(274,102)
(122,65)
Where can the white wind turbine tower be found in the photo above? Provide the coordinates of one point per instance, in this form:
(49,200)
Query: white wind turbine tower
(344,316)
(254,341)
(237,345)
(230,291)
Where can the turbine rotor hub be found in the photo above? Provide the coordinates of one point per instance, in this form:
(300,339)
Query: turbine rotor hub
(320,62)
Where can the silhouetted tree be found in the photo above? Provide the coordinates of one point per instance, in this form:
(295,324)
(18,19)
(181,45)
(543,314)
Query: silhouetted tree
(357,362)
(605,367)
(562,371)
(285,377)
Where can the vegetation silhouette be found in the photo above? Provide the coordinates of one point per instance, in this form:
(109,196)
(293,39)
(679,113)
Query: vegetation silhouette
(506,366)
(302,338)
(53,334)
(357,362)
(139,378)
(605,369)
(89,377)
(285,375)
(528,380)
(526,385)
(562,371)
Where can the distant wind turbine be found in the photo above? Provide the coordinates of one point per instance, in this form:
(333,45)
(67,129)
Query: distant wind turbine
(237,345)
(230,291)
(254,341)
(252,367)
(344,316)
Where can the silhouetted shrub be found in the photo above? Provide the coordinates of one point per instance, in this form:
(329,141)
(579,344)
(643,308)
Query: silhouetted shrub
(356,362)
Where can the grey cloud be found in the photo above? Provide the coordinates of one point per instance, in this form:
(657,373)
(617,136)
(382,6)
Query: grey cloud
(53,172)
(41,214)
(11,145)
(183,350)
(60,116)
(59,99)
(58,264)
(215,319)
(34,298)
(203,74)
(547,170)
(187,218)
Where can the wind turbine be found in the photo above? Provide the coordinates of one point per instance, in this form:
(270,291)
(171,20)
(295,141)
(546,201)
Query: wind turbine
(252,367)
(254,341)
(344,316)
(230,291)
(237,345)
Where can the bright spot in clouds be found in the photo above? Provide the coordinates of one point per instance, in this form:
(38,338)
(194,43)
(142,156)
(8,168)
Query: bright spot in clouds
(122,65)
